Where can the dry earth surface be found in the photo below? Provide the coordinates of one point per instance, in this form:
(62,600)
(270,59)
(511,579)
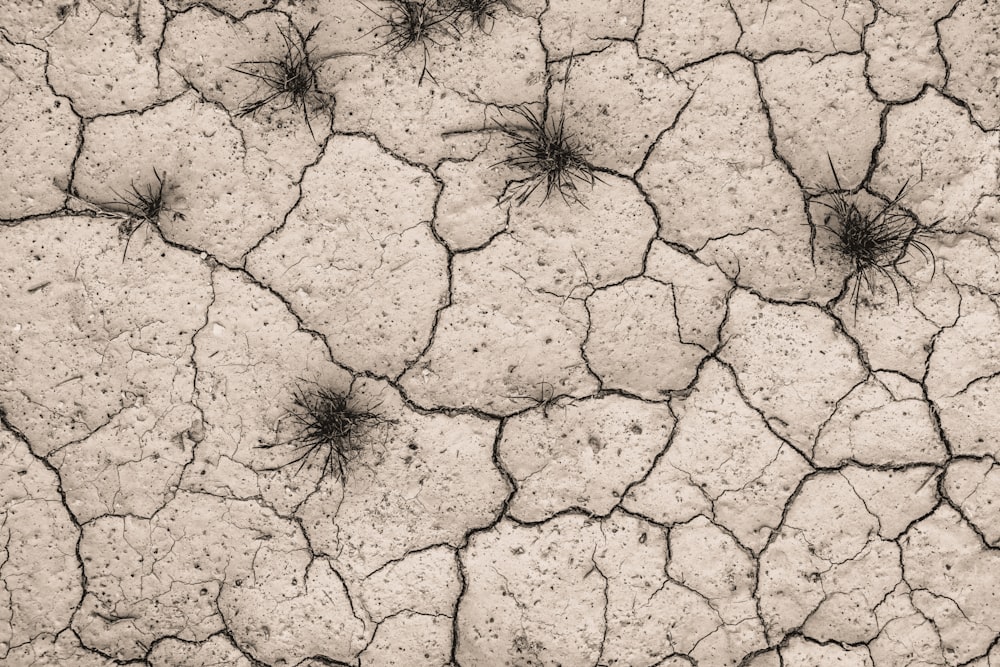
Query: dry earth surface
(662,420)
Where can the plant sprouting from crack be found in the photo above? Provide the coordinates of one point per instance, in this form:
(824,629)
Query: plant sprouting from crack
(875,242)
(144,205)
(329,427)
(541,146)
(552,157)
(139,205)
(545,398)
(414,23)
(481,13)
(289,81)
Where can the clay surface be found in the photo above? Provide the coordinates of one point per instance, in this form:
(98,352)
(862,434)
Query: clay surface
(306,362)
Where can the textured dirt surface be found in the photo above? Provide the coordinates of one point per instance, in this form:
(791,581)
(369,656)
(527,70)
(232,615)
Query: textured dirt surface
(660,422)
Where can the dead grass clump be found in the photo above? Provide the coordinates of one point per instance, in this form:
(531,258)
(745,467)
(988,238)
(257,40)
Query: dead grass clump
(289,81)
(875,241)
(551,156)
(329,430)
(414,24)
(480,14)
(142,206)
(139,205)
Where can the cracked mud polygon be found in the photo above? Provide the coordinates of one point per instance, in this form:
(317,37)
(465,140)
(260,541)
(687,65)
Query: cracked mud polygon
(307,359)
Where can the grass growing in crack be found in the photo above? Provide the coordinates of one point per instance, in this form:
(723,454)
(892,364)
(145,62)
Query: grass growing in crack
(414,23)
(143,206)
(875,242)
(480,13)
(551,156)
(289,81)
(329,430)
(545,399)
(139,205)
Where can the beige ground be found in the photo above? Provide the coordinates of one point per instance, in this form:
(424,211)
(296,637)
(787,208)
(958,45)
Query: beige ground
(643,429)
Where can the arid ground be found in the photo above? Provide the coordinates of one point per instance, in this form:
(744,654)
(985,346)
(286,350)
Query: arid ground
(491,333)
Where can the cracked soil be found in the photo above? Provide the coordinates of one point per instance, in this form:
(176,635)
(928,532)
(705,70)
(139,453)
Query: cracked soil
(666,420)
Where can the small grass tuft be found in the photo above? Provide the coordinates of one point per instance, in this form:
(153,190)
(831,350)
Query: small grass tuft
(329,429)
(549,154)
(414,23)
(875,242)
(142,206)
(289,81)
(481,13)
(138,206)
